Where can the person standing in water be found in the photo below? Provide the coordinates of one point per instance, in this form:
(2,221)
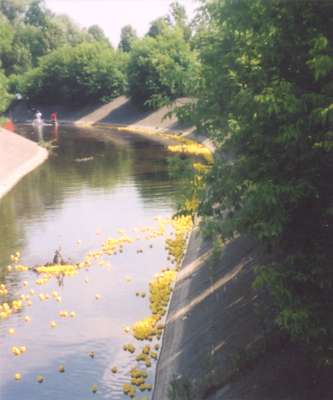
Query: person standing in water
(54,118)
(38,116)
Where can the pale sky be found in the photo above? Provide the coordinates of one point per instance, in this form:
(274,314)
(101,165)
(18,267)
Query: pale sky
(112,15)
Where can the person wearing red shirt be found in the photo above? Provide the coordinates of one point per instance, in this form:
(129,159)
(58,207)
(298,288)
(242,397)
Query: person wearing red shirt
(54,118)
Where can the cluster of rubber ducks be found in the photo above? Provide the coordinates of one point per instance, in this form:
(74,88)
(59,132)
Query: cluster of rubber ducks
(129,347)
(17,351)
(111,246)
(147,354)
(3,290)
(138,379)
(175,246)
(51,270)
(8,308)
(146,329)
(15,257)
(160,288)
(193,149)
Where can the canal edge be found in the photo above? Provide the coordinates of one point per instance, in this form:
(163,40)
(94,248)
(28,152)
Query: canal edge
(19,156)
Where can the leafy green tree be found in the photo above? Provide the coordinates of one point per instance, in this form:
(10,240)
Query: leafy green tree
(14,9)
(28,44)
(33,39)
(160,69)
(98,34)
(32,32)
(36,14)
(6,39)
(85,67)
(127,38)
(266,99)
(77,75)
(159,26)
(62,30)
(179,16)
(4,95)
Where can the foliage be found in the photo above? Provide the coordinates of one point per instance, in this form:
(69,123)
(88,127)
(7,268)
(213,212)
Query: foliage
(4,95)
(98,34)
(14,9)
(191,174)
(266,100)
(176,18)
(127,38)
(28,31)
(80,75)
(36,14)
(178,14)
(160,69)
(159,26)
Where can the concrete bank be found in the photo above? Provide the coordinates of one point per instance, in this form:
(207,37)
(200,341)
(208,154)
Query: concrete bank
(220,342)
(18,157)
(119,113)
(209,310)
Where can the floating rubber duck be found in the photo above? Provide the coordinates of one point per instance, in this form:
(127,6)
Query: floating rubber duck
(61,368)
(18,376)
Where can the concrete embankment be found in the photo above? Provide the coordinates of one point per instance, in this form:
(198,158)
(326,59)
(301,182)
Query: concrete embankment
(18,157)
(211,309)
(220,342)
(119,113)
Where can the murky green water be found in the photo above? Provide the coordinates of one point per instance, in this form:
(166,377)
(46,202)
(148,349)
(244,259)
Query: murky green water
(100,181)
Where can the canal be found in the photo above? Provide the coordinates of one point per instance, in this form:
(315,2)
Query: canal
(71,330)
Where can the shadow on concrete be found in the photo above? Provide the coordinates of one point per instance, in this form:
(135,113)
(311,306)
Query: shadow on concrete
(23,112)
(120,111)
(125,114)
(220,340)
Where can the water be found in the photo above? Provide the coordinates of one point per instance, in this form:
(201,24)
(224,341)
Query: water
(99,181)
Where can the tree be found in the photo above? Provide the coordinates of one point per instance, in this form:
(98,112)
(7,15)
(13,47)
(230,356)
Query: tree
(127,38)
(78,75)
(62,30)
(178,14)
(4,95)
(14,9)
(36,14)
(6,39)
(160,69)
(266,100)
(98,34)
(159,26)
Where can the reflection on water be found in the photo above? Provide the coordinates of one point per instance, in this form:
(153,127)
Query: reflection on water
(99,181)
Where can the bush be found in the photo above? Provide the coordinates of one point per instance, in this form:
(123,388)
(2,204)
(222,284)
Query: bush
(78,75)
